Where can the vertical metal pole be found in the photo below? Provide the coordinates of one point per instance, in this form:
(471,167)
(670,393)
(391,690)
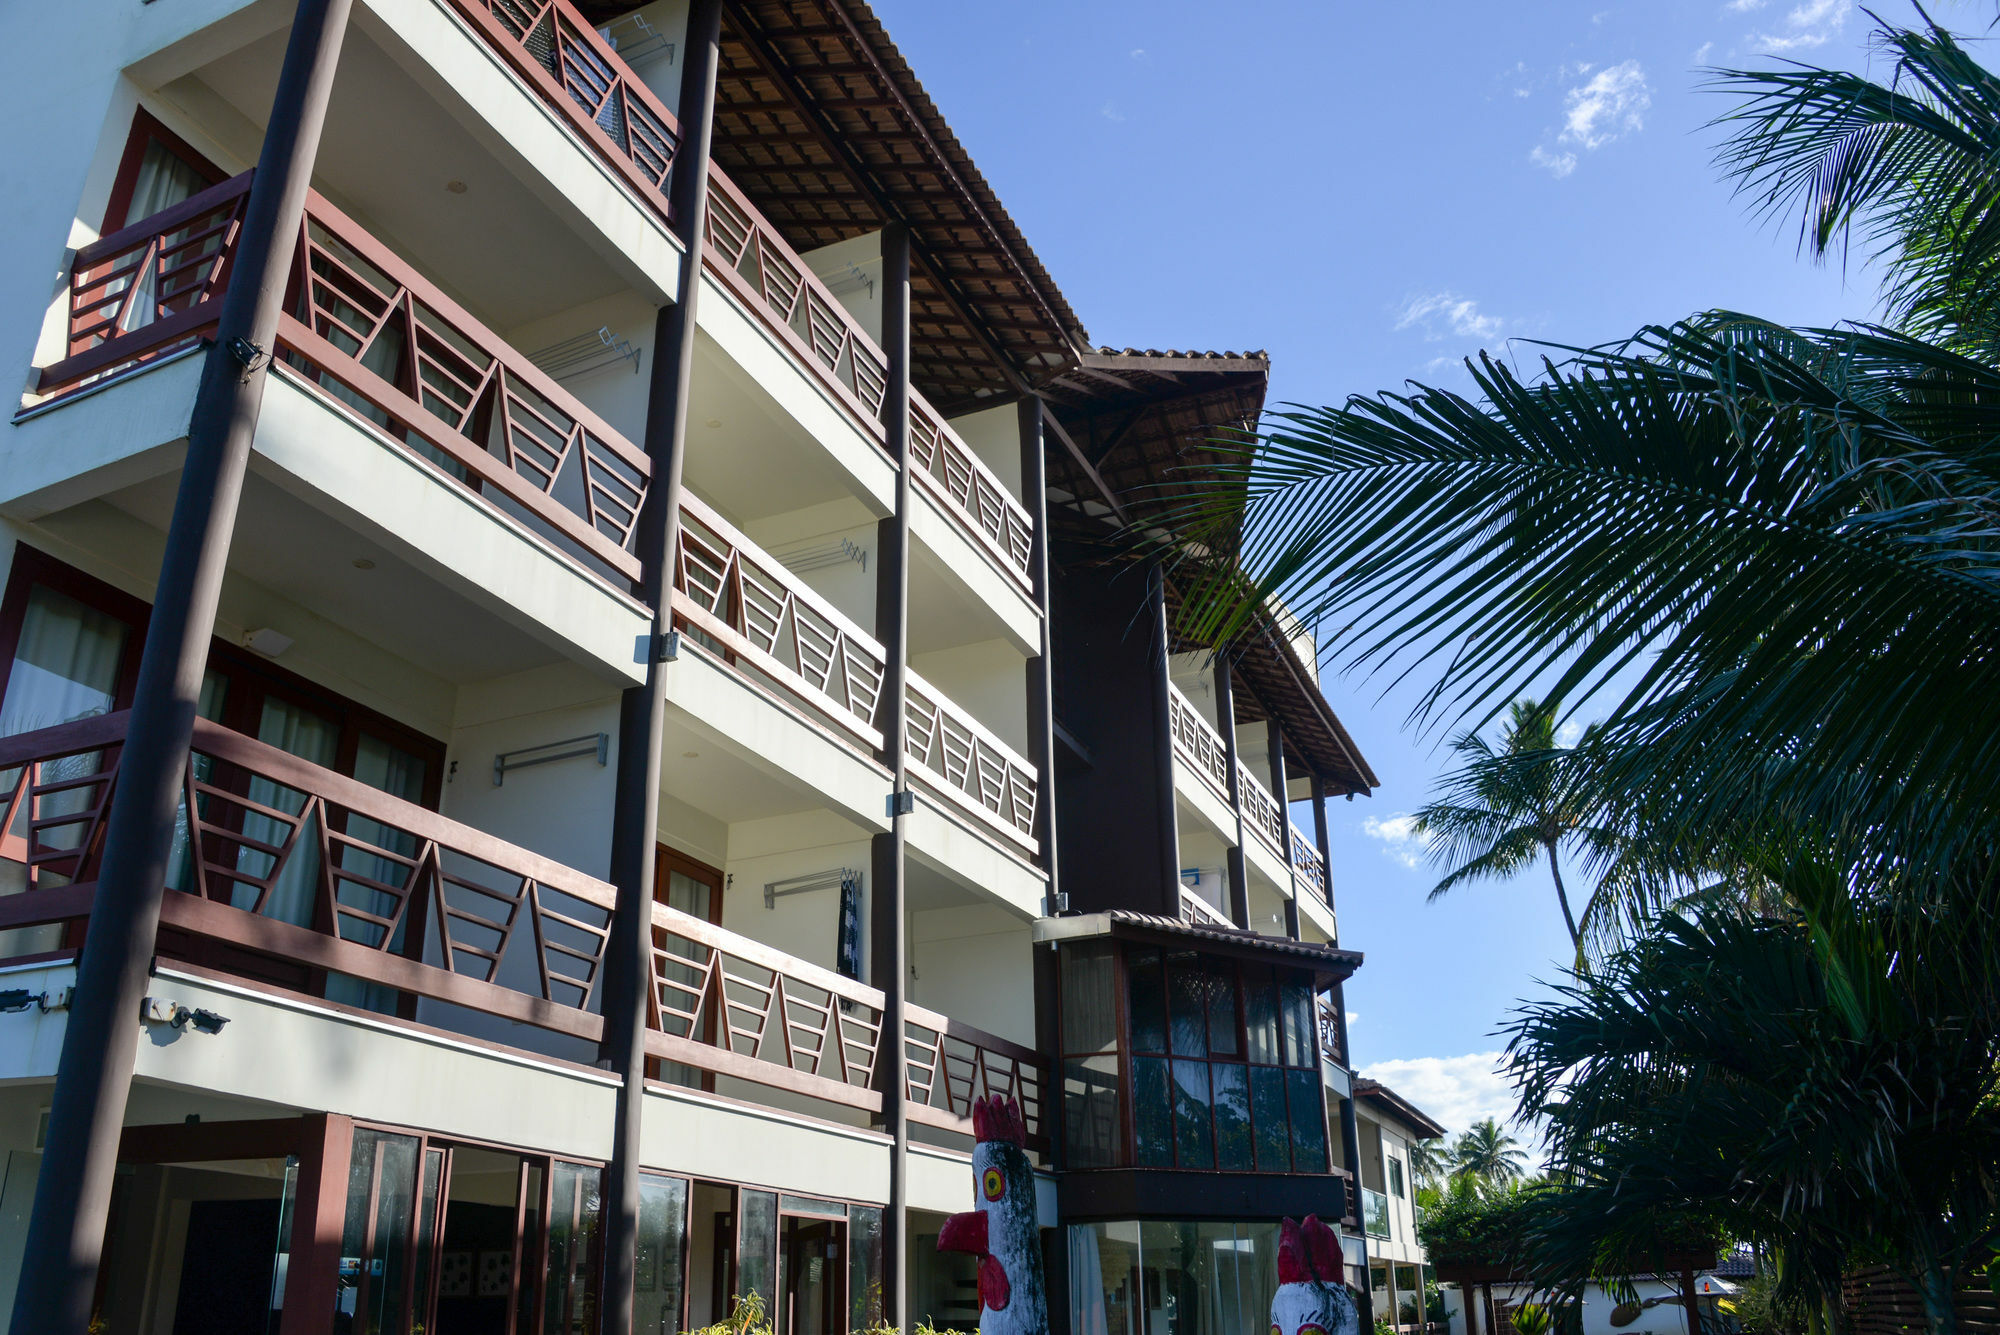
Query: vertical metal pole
(1170,834)
(1277,739)
(635,815)
(890,966)
(94,1075)
(1225,723)
(1041,684)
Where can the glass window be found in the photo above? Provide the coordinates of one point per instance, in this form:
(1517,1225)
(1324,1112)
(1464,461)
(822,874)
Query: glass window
(1308,1122)
(1152,1117)
(374,1246)
(756,1250)
(660,1272)
(571,1291)
(1187,1004)
(1193,1140)
(1147,1003)
(1396,1178)
(1274,1138)
(864,1267)
(1297,1016)
(65,665)
(1231,1092)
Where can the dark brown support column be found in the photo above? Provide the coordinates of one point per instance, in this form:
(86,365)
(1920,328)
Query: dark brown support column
(319,1214)
(1325,847)
(1041,685)
(1690,1300)
(635,816)
(94,1075)
(1277,738)
(889,965)
(1225,723)
(1163,681)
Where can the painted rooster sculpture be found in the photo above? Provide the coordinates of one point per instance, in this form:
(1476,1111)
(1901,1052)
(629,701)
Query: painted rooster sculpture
(1312,1296)
(1001,1231)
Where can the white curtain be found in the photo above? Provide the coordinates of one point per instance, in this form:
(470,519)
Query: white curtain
(164,181)
(399,774)
(312,738)
(65,668)
(1086,1282)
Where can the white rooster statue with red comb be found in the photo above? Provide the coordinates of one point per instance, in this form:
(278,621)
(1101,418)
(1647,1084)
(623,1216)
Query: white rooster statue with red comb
(1001,1231)
(1312,1296)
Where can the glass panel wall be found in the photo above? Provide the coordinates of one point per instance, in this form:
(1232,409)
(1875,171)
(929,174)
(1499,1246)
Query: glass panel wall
(1160,1278)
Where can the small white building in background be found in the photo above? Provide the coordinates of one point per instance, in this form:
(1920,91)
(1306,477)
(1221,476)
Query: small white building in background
(1659,1307)
(1389,1124)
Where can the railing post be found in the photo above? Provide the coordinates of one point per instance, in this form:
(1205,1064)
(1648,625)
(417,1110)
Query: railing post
(1277,737)
(94,1075)
(889,946)
(1225,726)
(636,808)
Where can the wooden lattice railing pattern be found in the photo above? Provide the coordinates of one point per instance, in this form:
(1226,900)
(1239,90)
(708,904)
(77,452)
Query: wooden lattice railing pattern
(731,1006)
(297,863)
(364,328)
(754,610)
(151,288)
(552,46)
(1197,744)
(1262,814)
(947,467)
(971,766)
(1307,865)
(754,261)
(1328,1021)
(950,1063)
(426,372)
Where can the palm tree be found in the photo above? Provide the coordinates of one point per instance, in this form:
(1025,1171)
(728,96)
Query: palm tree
(1506,809)
(1826,1081)
(1488,1155)
(1430,1161)
(1790,537)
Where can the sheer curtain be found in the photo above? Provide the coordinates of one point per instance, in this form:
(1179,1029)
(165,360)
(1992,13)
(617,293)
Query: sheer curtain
(65,668)
(164,180)
(400,774)
(310,737)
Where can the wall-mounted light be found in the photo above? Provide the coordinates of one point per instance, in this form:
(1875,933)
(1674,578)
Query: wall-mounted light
(158,1010)
(266,641)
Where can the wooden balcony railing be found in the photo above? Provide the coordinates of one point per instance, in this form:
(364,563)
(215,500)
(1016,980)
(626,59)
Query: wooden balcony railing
(575,71)
(311,873)
(969,765)
(364,329)
(1329,1027)
(951,1063)
(1262,814)
(728,1005)
(1198,745)
(949,470)
(763,617)
(1308,866)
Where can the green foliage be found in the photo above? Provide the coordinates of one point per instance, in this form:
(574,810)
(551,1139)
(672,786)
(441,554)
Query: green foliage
(1468,1228)
(1487,1155)
(746,1317)
(1759,1307)
(1532,1319)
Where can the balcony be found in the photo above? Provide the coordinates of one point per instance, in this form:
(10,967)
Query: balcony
(574,72)
(292,876)
(362,329)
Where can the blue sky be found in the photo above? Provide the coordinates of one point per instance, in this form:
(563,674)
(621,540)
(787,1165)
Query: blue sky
(1370,192)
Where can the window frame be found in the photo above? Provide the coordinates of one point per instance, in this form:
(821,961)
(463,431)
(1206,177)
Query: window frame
(147,130)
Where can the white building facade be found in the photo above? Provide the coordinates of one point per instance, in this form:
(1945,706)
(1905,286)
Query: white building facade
(944,807)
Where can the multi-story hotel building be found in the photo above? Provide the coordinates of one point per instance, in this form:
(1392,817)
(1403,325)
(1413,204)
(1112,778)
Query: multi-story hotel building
(569,698)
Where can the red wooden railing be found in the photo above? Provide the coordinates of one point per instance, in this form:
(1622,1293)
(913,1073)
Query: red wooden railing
(951,1063)
(313,871)
(767,619)
(575,71)
(734,1007)
(364,328)
(950,471)
(969,765)
(1261,812)
(1197,744)
(771,279)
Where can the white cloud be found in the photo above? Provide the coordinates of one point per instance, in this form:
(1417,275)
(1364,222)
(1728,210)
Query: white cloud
(1352,1018)
(1440,314)
(1559,165)
(1138,53)
(1701,53)
(1456,1091)
(1110,112)
(1569,734)
(1808,24)
(1743,6)
(1399,837)
(1612,104)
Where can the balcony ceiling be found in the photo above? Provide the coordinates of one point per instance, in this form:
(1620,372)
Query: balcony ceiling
(389,153)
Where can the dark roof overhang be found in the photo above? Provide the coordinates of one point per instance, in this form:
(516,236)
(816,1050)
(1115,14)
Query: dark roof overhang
(1404,1111)
(1329,964)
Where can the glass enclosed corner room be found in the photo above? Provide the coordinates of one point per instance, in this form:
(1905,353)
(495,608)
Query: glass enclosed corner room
(1177,1059)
